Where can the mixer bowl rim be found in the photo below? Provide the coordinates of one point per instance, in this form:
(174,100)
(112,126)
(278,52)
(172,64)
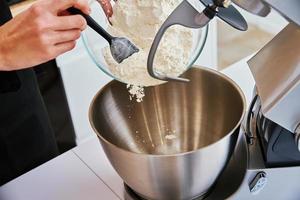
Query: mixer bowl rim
(238,124)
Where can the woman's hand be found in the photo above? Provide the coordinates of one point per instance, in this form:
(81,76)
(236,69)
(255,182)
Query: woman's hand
(40,34)
(106,7)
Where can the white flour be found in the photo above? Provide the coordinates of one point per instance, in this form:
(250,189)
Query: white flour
(136,92)
(170,137)
(139,20)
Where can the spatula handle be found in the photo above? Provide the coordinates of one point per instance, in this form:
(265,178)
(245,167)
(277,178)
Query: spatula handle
(92,23)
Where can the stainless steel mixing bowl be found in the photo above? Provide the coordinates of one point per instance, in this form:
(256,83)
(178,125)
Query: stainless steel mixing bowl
(174,144)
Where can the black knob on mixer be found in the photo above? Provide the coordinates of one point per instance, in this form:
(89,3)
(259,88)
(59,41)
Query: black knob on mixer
(225,11)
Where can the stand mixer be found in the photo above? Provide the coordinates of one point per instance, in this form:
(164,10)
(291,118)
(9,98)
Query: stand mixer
(272,130)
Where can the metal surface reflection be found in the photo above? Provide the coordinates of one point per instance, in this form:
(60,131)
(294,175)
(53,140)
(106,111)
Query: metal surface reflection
(203,116)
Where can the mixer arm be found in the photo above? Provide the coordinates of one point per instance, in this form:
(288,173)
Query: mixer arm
(186,15)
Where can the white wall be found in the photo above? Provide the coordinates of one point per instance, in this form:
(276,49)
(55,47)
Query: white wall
(273,23)
(209,55)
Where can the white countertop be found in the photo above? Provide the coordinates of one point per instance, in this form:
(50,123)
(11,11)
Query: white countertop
(63,178)
(84,172)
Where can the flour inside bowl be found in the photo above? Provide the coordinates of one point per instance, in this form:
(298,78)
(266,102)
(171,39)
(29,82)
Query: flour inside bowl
(171,137)
(139,20)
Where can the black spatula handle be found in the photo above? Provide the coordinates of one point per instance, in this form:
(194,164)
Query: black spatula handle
(92,23)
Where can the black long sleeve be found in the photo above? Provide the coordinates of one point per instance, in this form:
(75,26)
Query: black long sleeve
(5,14)
(9,81)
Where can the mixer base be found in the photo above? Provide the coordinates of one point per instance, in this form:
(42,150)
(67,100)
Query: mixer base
(130,194)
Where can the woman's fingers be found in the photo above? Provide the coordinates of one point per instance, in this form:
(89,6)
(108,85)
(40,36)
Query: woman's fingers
(83,6)
(60,42)
(70,22)
(106,7)
(64,47)
(61,5)
(65,36)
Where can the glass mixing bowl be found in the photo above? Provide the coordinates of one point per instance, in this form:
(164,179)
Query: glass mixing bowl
(95,44)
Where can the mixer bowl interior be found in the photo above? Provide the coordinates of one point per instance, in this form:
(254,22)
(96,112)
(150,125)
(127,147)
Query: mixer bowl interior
(173,118)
